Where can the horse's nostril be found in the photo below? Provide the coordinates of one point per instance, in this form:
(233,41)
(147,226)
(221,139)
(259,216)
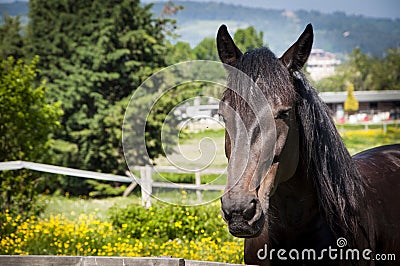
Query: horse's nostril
(227,215)
(249,212)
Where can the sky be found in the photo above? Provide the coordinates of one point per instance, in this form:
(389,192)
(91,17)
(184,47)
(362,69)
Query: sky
(369,8)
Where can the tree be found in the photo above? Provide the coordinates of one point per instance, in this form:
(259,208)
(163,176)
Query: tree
(26,125)
(359,69)
(95,53)
(179,52)
(385,72)
(206,50)
(11,42)
(351,103)
(365,72)
(248,38)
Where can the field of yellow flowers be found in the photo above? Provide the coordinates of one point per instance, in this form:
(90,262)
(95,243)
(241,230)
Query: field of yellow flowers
(140,234)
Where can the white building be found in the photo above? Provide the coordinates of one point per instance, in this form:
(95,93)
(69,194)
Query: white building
(321,64)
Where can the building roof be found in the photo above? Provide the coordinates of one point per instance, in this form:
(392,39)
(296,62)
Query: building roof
(361,96)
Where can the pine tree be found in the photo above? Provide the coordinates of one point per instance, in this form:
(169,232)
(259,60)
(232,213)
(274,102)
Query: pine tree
(94,54)
(11,42)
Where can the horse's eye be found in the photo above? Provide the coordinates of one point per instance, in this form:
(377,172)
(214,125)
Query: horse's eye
(283,114)
(221,118)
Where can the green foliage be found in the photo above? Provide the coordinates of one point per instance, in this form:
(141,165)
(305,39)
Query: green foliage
(190,178)
(163,222)
(175,178)
(26,120)
(386,71)
(206,50)
(248,38)
(94,55)
(26,124)
(365,72)
(179,52)
(154,123)
(245,39)
(11,42)
(351,103)
(105,189)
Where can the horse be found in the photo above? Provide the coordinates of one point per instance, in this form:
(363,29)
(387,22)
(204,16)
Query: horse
(313,194)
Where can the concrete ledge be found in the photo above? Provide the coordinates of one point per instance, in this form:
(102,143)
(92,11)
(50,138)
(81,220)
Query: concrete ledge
(37,260)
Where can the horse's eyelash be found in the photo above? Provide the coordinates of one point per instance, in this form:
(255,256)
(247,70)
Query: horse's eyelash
(283,113)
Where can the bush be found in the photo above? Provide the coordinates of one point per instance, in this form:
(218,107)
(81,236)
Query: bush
(18,197)
(26,125)
(175,178)
(164,222)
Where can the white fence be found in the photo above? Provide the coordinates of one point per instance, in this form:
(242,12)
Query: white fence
(369,124)
(145,180)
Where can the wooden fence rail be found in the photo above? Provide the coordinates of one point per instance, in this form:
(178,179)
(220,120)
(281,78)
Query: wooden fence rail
(32,260)
(145,180)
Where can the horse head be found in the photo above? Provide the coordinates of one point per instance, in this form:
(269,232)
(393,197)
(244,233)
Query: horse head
(254,170)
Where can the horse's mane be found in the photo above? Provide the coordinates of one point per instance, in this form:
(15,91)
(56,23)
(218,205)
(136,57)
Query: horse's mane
(326,160)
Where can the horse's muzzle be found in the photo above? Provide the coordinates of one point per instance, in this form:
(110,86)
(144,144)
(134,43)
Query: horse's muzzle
(244,220)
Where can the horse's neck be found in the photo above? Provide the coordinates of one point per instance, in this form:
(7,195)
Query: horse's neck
(295,214)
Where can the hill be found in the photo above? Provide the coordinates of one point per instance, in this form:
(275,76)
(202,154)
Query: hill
(335,32)
(14,9)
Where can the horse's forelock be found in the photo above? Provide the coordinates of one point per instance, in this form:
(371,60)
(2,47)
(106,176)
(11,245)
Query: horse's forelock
(265,69)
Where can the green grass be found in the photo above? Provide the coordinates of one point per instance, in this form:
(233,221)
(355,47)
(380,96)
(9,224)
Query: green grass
(189,178)
(71,207)
(359,140)
(187,197)
(197,150)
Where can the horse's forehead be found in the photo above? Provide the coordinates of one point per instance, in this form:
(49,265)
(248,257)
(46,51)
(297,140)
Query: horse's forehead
(259,71)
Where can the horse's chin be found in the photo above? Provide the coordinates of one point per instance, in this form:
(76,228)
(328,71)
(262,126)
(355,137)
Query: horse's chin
(241,228)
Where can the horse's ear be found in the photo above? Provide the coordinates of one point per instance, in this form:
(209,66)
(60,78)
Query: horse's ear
(227,50)
(296,56)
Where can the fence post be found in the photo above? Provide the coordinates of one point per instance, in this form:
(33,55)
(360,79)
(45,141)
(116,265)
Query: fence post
(132,186)
(146,185)
(198,183)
